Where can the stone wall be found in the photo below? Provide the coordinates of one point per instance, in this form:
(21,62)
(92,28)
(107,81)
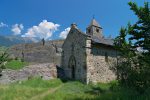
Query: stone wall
(36,52)
(46,71)
(74,46)
(100,63)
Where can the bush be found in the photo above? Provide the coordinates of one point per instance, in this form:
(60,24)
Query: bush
(3,60)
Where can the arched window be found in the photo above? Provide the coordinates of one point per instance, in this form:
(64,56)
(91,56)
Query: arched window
(72,61)
(72,66)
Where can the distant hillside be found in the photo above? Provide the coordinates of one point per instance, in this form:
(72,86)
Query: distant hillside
(12,40)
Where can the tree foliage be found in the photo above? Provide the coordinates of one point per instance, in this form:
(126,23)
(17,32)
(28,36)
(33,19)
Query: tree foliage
(133,43)
(3,59)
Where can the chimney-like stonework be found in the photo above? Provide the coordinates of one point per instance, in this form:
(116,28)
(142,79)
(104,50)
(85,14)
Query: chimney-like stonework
(73,25)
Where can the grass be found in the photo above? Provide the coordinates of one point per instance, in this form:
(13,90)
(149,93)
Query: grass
(15,64)
(38,89)
(26,89)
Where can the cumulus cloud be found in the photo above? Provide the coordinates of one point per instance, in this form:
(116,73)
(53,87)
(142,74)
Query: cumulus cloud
(3,24)
(64,33)
(44,30)
(17,28)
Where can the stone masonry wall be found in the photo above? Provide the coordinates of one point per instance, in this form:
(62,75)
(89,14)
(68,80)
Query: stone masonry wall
(46,71)
(36,52)
(100,63)
(74,45)
(89,59)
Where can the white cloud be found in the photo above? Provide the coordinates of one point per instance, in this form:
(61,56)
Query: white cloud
(64,33)
(17,28)
(44,30)
(3,24)
(140,49)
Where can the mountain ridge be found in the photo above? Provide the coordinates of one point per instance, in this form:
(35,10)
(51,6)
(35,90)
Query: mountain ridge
(13,40)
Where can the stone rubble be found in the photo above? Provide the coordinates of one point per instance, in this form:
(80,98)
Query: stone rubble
(46,71)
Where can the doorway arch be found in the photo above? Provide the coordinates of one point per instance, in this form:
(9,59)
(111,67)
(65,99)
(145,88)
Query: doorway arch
(72,66)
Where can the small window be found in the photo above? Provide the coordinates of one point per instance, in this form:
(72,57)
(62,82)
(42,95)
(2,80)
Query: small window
(97,30)
(106,57)
(89,30)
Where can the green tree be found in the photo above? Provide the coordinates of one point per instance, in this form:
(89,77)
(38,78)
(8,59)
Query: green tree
(140,31)
(3,59)
(133,69)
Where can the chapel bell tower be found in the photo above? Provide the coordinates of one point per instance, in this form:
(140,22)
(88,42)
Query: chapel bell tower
(94,29)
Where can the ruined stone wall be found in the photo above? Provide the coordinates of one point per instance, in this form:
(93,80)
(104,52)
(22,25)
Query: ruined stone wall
(74,45)
(100,63)
(46,71)
(36,52)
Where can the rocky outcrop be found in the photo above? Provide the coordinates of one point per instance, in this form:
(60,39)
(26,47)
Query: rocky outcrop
(46,71)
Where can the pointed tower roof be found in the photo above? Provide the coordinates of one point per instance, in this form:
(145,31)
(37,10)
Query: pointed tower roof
(94,23)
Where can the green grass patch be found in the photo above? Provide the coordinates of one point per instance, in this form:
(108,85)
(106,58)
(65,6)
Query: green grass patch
(100,91)
(27,89)
(16,64)
(38,82)
(72,90)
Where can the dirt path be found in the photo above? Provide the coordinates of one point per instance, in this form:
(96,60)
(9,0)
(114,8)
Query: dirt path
(40,96)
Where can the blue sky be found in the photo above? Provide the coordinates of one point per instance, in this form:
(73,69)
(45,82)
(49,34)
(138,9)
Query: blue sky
(18,16)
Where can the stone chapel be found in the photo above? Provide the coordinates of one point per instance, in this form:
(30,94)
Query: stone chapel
(89,57)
